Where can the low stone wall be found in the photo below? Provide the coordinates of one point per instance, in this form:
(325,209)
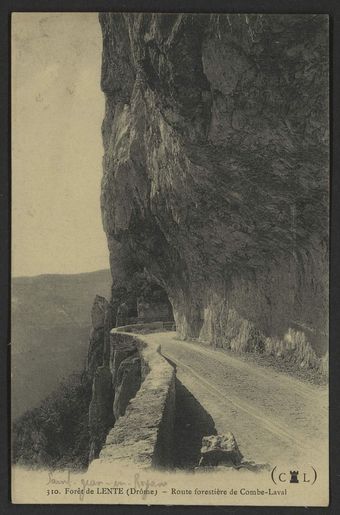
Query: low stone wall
(143,436)
(146,327)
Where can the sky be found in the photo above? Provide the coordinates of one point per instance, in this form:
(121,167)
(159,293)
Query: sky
(57,111)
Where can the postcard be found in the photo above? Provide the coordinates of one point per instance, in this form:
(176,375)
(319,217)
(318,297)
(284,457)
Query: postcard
(170,230)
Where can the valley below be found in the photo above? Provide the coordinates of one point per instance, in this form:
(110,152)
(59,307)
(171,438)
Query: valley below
(50,332)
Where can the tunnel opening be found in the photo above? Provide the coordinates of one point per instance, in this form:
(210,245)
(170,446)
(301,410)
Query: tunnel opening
(140,301)
(153,305)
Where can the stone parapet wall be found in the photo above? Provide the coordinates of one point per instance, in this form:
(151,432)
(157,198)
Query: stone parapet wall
(147,327)
(143,436)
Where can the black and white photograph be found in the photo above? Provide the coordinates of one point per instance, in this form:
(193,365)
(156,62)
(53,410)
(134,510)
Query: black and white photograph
(170,258)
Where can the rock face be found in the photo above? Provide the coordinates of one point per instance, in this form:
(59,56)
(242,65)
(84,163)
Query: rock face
(122,315)
(128,384)
(101,417)
(102,323)
(216,172)
(220,450)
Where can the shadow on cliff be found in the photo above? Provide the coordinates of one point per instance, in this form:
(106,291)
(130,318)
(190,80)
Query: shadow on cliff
(192,422)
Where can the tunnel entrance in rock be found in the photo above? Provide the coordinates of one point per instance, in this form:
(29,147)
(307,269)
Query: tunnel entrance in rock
(140,301)
(153,305)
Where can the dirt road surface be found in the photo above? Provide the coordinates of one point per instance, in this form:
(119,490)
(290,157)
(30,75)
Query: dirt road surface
(274,417)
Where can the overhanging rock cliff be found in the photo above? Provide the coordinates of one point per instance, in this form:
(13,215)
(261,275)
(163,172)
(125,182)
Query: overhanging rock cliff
(215,177)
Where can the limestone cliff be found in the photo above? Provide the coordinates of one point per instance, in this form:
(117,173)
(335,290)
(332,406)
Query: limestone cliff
(215,179)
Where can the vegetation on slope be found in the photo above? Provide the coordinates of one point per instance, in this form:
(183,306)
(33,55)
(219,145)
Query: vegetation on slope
(56,434)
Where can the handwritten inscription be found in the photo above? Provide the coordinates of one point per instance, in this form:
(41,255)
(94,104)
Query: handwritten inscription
(82,487)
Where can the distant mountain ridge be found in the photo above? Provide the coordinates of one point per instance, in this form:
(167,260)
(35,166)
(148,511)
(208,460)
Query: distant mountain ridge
(71,297)
(51,319)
